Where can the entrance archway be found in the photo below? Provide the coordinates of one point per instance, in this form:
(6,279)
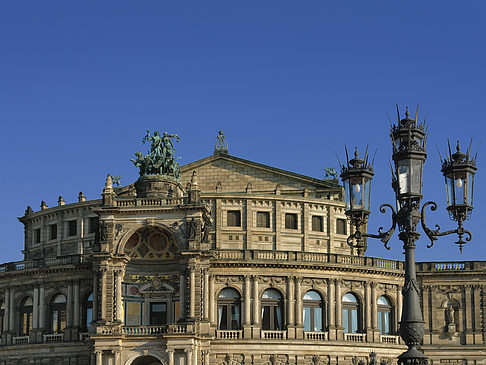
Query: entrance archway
(146,360)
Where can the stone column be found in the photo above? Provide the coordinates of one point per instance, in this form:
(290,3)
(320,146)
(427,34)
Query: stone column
(206,357)
(330,309)
(256,309)
(42,308)
(426,314)
(211,299)
(118,291)
(99,358)
(246,308)
(171,356)
(367,309)
(290,308)
(468,313)
(69,306)
(118,358)
(35,309)
(374,307)
(192,299)
(76,304)
(256,301)
(189,357)
(7,310)
(103,294)
(298,309)
(11,320)
(339,312)
(182,289)
(206,294)
(478,339)
(247,295)
(95,296)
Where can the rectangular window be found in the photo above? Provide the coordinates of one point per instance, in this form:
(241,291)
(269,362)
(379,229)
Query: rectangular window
(93,225)
(37,235)
(133,313)
(291,221)
(317,223)
(263,219)
(158,313)
(341,226)
(234,218)
(53,231)
(72,228)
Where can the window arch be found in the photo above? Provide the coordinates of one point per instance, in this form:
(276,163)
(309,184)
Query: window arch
(313,310)
(26,316)
(272,309)
(229,309)
(351,313)
(88,311)
(385,312)
(57,313)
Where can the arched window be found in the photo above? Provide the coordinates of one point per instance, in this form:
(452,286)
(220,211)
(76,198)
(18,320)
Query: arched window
(229,304)
(26,316)
(351,313)
(313,309)
(88,313)
(2,316)
(272,309)
(58,313)
(384,316)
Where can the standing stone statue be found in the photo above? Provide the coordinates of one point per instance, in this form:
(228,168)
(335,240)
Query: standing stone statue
(221,145)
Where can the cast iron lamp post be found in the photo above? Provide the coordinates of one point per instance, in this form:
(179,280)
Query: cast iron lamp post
(409,154)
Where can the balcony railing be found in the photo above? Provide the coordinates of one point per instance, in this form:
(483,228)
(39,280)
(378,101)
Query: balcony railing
(315,336)
(274,335)
(144,330)
(20,340)
(229,334)
(57,337)
(355,337)
(389,339)
(44,262)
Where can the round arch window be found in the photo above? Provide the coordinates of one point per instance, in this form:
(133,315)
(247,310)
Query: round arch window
(229,309)
(272,310)
(313,312)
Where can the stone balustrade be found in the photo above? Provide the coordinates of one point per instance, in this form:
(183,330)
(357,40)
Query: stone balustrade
(390,339)
(53,338)
(355,337)
(274,335)
(315,336)
(229,334)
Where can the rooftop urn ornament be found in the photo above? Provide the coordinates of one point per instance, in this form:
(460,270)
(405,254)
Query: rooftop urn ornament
(161,159)
(409,138)
(221,145)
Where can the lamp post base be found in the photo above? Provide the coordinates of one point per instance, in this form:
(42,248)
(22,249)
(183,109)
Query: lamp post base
(412,357)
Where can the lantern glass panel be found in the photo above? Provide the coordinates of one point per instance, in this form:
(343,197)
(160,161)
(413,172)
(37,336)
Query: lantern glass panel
(416,176)
(449,190)
(459,187)
(367,194)
(403,177)
(357,193)
(470,185)
(347,195)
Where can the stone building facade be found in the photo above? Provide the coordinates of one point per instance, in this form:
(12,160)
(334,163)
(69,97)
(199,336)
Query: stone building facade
(234,263)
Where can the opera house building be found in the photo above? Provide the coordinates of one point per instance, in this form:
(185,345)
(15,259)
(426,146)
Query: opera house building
(221,261)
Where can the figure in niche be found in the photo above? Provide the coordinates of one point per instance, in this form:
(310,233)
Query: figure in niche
(191,229)
(205,232)
(450,317)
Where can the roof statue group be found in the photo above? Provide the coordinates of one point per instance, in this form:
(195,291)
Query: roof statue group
(161,160)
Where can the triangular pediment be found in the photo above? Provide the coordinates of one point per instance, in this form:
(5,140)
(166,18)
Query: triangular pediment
(228,173)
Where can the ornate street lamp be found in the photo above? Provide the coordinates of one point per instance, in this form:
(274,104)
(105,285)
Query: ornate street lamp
(409,154)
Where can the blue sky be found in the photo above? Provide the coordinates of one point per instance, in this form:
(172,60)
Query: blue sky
(289,82)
